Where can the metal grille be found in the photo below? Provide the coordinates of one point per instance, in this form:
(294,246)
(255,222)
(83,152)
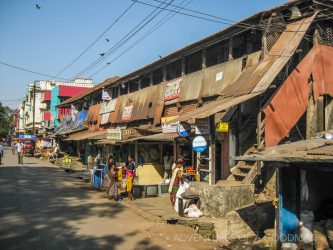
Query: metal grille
(274,28)
(325,34)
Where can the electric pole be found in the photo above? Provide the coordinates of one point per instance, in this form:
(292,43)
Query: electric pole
(34,109)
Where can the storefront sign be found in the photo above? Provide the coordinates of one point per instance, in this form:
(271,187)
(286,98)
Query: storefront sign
(168,126)
(127,113)
(108,106)
(172,90)
(106,95)
(222,127)
(130,133)
(199,144)
(114,134)
(202,126)
(184,129)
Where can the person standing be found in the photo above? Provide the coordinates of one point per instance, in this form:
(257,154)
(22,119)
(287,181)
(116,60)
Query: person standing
(176,178)
(1,153)
(19,149)
(111,178)
(12,145)
(168,161)
(130,173)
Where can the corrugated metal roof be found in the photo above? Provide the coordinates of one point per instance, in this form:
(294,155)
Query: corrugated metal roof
(254,80)
(294,93)
(92,135)
(312,150)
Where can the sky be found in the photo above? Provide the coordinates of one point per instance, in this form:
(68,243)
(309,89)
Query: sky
(48,39)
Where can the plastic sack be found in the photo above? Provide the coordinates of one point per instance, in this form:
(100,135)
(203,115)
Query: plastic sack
(305,234)
(193,211)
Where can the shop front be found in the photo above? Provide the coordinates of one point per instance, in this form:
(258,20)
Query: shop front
(304,182)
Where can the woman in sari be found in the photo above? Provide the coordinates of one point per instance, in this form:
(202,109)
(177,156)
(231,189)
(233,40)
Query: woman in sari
(111,189)
(175,181)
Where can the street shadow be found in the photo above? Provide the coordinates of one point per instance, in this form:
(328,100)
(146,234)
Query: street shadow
(40,209)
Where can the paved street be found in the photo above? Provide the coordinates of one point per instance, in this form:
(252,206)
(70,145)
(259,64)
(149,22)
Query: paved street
(42,207)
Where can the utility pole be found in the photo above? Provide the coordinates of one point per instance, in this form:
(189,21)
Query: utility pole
(34,109)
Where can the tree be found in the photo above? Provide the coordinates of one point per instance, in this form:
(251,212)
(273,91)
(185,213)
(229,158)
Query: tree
(6,119)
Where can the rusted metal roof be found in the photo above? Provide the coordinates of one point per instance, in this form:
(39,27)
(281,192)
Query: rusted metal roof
(144,101)
(294,93)
(94,117)
(96,88)
(214,107)
(92,135)
(254,80)
(312,150)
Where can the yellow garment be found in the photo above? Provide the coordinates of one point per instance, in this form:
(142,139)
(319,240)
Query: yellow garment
(120,175)
(129,184)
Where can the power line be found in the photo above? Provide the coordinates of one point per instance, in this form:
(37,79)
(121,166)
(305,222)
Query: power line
(94,42)
(112,49)
(33,72)
(149,32)
(126,38)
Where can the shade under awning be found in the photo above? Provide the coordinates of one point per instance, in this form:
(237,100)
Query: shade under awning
(160,137)
(85,135)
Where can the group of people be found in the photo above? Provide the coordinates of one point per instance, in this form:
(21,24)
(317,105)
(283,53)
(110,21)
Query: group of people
(114,177)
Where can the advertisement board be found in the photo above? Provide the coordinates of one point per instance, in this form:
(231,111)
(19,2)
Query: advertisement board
(172,90)
(168,126)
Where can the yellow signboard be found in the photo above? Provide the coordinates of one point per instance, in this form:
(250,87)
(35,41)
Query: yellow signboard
(222,127)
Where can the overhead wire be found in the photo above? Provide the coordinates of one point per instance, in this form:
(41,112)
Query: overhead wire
(149,32)
(176,6)
(126,38)
(33,72)
(95,41)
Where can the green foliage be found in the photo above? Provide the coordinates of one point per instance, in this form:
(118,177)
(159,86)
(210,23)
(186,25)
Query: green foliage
(6,119)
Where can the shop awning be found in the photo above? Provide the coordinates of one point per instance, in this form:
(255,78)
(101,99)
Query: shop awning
(85,135)
(255,79)
(160,137)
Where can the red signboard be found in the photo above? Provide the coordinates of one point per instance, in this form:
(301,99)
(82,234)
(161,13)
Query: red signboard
(47,96)
(69,91)
(47,116)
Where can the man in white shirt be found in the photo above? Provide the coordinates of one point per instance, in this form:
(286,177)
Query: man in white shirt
(19,148)
(1,153)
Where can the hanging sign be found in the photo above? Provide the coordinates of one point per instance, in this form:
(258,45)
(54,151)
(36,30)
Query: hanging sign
(184,129)
(222,127)
(106,95)
(169,127)
(127,113)
(114,134)
(199,144)
(108,106)
(172,90)
(202,126)
(105,118)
